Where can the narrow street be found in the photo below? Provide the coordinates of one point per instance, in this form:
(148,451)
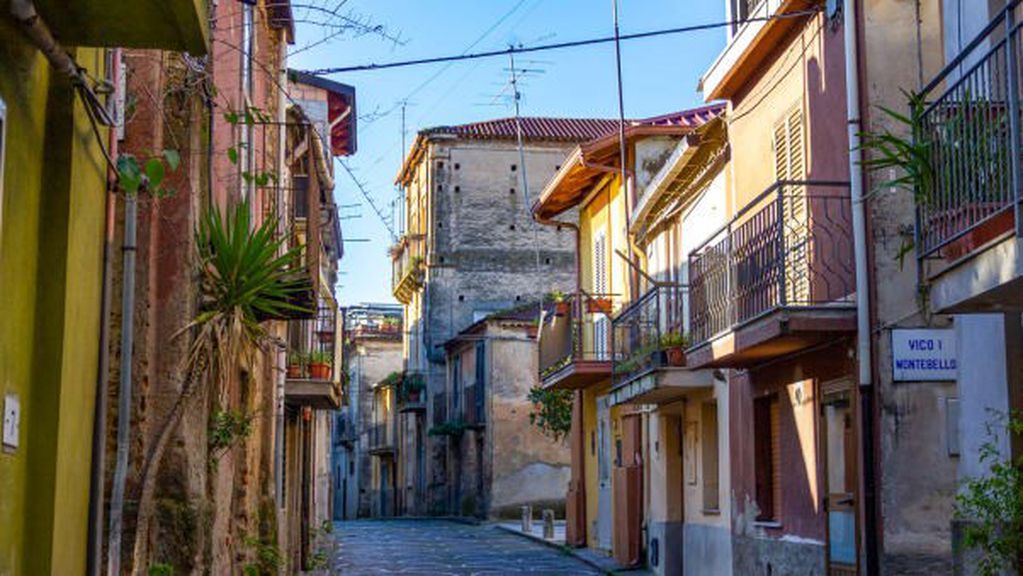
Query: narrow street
(439,548)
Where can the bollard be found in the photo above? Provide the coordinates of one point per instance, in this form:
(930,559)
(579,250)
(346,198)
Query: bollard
(548,524)
(527,519)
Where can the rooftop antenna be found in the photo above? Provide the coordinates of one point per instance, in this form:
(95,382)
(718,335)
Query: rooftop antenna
(516,97)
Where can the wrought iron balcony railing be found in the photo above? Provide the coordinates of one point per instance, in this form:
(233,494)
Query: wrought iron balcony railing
(312,345)
(579,330)
(646,329)
(791,247)
(407,266)
(969,125)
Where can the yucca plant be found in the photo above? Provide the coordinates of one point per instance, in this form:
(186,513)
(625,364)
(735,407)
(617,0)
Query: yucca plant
(245,275)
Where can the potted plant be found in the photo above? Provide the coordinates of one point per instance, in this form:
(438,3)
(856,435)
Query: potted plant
(319,365)
(390,324)
(598,305)
(674,343)
(561,303)
(413,386)
(296,361)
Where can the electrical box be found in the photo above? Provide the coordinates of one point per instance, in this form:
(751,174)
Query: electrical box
(12,422)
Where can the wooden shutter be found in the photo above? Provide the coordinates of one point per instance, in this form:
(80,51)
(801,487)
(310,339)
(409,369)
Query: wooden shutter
(790,165)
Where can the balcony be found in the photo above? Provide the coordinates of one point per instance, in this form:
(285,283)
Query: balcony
(381,439)
(778,278)
(312,377)
(649,361)
(969,229)
(178,25)
(412,393)
(407,271)
(575,343)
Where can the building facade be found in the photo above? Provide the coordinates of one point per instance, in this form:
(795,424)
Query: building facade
(372,352)
(56,190)
(469,247)
(497,460)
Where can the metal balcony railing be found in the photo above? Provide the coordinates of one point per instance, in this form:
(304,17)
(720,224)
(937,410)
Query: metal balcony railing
(579,330)
(407,266)
(970,125)
(791,247)
(645,328)
(381,436)
(312,344)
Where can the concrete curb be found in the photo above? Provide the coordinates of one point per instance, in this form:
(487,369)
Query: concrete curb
(563,548)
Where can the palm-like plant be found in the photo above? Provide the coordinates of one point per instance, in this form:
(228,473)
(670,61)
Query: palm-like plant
(245,276)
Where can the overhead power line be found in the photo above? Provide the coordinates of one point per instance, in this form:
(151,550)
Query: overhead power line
(558,45)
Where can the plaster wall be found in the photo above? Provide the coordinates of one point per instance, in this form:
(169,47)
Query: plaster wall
(527,466)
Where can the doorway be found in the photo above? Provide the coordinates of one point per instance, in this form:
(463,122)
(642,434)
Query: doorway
(839,444)
(604,472)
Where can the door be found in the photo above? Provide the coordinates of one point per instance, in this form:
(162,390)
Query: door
(601,324)
(839,445)
(604,472)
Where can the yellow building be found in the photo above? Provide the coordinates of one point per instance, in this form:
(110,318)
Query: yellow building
(577,352)
(53,189)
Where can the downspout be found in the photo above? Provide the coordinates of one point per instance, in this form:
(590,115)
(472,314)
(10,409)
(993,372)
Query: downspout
(94,552)
(125,385)
(863,324)
(282,359)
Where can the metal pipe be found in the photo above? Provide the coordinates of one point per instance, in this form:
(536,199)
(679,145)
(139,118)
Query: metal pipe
(125,386)
(97,471)
(863,334)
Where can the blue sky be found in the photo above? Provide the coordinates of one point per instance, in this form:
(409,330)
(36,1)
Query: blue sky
(660,74)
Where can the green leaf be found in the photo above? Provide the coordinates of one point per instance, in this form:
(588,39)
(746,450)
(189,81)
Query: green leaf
(155,171)
(128,173)
(231,117)
(232,155)
(173,159)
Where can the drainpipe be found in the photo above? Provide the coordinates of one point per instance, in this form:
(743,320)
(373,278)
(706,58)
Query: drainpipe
(863,324)
(282,355)
(94,550)
(125,386)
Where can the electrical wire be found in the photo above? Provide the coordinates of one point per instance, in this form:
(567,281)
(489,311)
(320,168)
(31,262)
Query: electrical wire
(558,45)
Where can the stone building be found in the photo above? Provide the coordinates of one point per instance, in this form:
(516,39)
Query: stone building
(469,246)
(372,352)
(499,461)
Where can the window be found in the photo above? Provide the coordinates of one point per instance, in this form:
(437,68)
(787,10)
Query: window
(767,462)
(709,422)
(789,157)
(481,380)
(456,382)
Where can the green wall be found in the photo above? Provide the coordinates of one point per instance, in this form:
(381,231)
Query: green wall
(51,233)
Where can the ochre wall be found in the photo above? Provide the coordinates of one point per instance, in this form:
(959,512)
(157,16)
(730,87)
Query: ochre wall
(50,276)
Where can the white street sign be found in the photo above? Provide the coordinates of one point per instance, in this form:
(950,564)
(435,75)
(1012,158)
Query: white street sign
(924,355)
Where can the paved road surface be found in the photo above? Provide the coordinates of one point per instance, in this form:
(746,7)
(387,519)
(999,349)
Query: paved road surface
(440,548)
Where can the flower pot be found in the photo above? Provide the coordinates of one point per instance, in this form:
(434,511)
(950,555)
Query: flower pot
(598,305)
(413,397)
(319,371)
(676,356)
(294,371)
(561,308)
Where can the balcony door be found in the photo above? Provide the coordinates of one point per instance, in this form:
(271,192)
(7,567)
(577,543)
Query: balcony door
(601,323)
(838,432)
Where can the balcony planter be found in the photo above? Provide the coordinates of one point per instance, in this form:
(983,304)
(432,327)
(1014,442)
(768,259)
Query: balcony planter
(598,306)
(674,344)
(319,366)
(295,365)
(676,356)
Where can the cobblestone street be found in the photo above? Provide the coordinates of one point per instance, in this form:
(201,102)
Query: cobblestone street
(437,547)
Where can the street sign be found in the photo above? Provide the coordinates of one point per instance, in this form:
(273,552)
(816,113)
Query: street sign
(924,355)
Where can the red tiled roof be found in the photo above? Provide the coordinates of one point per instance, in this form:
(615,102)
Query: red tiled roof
(533,128)
(570,129)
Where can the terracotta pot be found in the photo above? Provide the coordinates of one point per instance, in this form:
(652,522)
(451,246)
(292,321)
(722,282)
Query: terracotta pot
(676,356)
(294,371)
(598,305)
(319,371)
(561,308)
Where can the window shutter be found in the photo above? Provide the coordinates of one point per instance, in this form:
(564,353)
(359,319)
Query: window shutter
(790,164)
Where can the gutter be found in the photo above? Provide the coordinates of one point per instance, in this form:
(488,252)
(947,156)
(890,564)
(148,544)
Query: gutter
(867,391)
